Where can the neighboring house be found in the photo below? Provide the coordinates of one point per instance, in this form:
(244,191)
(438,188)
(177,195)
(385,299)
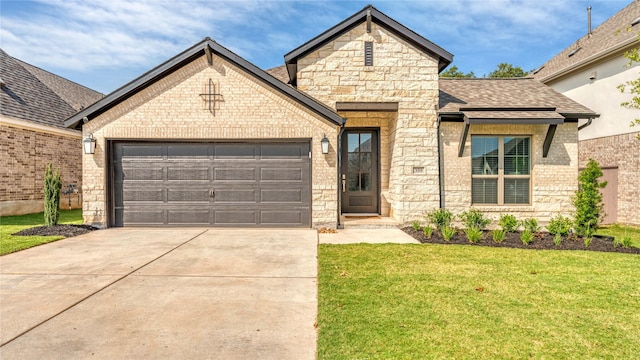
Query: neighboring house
(588,72)
(207,138)
(33,106)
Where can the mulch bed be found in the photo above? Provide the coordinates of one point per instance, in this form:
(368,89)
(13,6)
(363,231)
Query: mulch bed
(541,241)
(65,230)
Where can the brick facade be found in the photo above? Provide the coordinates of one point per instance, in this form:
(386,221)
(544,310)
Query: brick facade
(172,109)
(24,154)
(553,179)
(623,152)
(335,72)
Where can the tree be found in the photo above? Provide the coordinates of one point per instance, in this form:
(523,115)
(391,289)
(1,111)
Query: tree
(453,72)
(504,70)
(633,86)
(52,186)
(588,199)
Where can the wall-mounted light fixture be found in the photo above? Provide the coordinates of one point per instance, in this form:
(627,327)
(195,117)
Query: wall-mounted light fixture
(89,144)
(325,145)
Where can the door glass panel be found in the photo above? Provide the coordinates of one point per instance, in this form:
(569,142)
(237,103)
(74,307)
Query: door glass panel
(353,142)
(365,181)
(365,142)
(365,162)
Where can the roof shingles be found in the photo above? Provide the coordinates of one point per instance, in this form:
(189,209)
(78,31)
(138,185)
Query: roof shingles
(32,94)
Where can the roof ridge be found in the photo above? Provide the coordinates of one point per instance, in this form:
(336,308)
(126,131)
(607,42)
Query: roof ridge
(50,73)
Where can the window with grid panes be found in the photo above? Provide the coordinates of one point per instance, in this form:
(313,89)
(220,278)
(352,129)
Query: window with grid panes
(500,169)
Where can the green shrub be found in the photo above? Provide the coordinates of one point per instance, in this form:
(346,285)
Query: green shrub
(448,232)
(588,199)
(441,218)
(557,239)
(526,236)
(624,241)
(427,231)
(473,234)
(415,224)
(559,225)
(587,241)
(474,218)
(530,224)
(498,235)
(508,222)
(52,186)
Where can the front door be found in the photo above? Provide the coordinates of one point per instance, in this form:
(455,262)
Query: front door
(360,188)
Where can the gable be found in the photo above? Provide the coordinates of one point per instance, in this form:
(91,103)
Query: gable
(210,50)
(367,15)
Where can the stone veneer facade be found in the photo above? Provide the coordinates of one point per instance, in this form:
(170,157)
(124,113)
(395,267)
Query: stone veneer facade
(335,72)
(24,154)
(553,179)
(172,109)
(623,152)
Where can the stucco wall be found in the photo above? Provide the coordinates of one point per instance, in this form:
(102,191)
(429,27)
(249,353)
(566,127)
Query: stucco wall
(401,73)
(24,154)
(601,95)
(553,179)
(623,152)
(172,109)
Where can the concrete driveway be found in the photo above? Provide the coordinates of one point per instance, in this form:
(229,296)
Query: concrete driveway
(162,294)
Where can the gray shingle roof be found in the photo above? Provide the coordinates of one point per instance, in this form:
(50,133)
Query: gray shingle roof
(45,98)
(608,38)
(280,73)
(506,95)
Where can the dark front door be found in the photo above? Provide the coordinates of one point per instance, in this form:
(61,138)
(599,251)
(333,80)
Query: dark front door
(360,189)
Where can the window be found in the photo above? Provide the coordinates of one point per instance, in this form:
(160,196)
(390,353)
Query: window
(500,169)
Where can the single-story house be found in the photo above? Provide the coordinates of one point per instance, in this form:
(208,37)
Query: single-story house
(33,106)
(589,71)
(361,125)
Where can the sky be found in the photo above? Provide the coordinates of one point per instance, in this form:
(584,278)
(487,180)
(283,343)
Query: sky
(104,44)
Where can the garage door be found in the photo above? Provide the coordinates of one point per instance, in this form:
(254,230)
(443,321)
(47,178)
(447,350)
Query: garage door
(203,184)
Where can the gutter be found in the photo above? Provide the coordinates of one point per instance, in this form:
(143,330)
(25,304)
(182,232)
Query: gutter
(585,124)
(339,172)
(440,174)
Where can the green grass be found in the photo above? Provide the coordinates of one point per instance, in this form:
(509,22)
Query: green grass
(12,224)
(466,302)
(619,231)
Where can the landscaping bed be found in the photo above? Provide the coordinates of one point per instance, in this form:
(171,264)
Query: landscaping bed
(541,241)
(65,230)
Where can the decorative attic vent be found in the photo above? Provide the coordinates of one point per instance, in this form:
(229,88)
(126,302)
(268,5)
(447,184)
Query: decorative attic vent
(368,53)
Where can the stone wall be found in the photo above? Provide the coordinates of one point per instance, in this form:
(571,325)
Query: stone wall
(553,179)
(400,73)
(623,152)
(172,109)
(24,154)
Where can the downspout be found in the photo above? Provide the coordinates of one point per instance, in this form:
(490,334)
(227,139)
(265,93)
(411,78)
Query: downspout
(339,172)
(585,124)
(440,175)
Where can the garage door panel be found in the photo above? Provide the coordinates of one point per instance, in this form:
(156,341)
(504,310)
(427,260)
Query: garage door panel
(235,217)
(189,195)
(284,151)
(220,184)
(189,151)
(189,217)
(235,151)
(188,173)
(143,216)
(234,174)
(130,172)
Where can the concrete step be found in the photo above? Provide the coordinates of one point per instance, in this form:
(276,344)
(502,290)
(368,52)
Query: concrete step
(368,222)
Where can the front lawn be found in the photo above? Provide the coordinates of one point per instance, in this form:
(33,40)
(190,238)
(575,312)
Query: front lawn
(12,224)
(450,301)
(620,231)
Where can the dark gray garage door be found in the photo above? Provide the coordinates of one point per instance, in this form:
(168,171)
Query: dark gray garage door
(202,184)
